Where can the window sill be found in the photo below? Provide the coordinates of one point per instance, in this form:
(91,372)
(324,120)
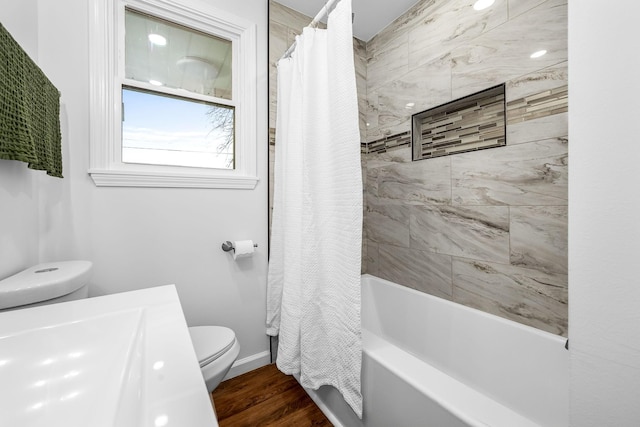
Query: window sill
(111,178)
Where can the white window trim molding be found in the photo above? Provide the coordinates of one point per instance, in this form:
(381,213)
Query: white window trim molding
(105,166)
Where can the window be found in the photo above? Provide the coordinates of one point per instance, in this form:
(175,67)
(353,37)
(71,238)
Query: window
(167,130)
(194,128)
(173,99)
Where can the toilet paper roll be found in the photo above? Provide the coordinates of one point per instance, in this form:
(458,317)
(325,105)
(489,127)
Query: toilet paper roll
(243,249)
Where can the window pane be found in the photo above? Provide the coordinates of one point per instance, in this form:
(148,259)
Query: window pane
(164,53)
(165,130)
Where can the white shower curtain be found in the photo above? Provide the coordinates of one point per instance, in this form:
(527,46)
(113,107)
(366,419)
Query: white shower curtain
(313,295)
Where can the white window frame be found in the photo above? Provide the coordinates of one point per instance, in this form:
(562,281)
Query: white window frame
(107,74)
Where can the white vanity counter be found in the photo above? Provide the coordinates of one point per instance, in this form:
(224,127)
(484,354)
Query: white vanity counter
(118,360)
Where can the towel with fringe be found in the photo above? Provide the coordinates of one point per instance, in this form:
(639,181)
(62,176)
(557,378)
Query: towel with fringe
(29,111)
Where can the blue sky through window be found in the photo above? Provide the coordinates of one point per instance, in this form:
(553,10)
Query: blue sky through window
(165,130)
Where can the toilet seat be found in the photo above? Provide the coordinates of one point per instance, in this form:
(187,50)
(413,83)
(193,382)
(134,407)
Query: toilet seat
(211,342)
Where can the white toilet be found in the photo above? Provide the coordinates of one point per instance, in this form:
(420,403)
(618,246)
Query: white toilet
(216,347)
(43,284)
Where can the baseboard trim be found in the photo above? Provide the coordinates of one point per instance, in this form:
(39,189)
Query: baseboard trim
(249,363)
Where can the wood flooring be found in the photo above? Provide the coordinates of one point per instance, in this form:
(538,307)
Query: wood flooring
(265,397)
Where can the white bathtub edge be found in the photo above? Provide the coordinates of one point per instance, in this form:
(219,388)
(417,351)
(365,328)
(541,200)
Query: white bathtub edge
(333,419)
(559,339)
(467,404)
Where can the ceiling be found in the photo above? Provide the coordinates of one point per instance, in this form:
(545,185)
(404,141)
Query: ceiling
(371,16)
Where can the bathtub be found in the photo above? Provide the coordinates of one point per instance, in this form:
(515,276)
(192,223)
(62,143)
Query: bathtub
(430,362)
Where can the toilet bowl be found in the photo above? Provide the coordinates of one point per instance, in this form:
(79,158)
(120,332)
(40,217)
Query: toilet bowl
(216,348)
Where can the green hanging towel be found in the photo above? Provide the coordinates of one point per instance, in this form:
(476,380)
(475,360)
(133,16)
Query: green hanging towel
(29,111)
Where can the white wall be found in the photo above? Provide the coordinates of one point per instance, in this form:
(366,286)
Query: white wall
(18,185)
(136,237)
(604,201)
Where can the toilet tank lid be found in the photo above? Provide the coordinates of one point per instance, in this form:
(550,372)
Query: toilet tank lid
(211,342)
(44,282)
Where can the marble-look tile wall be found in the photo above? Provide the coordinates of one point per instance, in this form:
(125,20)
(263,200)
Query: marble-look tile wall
(487,229)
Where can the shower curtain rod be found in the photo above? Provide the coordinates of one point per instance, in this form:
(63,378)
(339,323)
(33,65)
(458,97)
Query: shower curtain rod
(324,11)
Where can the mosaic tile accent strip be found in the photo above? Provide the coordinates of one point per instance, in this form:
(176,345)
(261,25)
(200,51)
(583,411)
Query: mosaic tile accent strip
(364,147)
(272,136)
(471,123)
(387,143)
(543,104)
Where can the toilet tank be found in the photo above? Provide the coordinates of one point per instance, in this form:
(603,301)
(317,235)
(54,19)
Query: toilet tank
(47,283)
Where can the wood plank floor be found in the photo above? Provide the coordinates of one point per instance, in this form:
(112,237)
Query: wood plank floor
(265,397)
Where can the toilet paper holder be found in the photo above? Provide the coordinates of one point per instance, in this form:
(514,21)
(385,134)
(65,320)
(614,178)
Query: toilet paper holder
(228,246)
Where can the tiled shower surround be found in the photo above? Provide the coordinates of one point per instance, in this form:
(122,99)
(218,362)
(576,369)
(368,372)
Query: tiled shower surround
(488,228)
